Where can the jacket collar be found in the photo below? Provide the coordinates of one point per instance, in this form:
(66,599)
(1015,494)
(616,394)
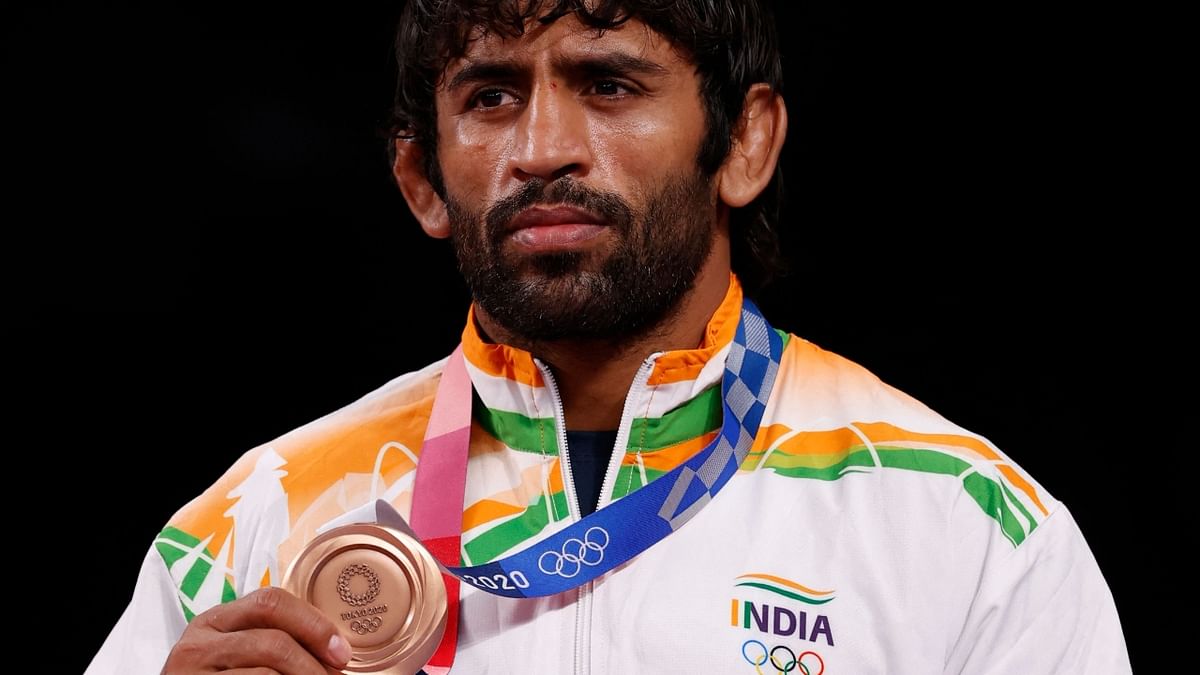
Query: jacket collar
(519,366)
(509,379)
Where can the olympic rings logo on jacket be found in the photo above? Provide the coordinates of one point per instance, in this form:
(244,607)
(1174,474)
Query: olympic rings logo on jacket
(782,659)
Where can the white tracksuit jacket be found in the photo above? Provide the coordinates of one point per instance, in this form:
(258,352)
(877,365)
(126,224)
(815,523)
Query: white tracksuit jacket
(863,533)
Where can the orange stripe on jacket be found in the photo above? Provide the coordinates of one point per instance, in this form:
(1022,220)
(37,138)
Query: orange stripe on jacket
(685,364)
(498,360)
(882,432)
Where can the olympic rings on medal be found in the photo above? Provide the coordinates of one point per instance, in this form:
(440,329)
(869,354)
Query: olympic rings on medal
(782,663)
(575,554)
(366,625)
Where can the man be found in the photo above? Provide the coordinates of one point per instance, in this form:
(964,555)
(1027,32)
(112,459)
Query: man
(606,172)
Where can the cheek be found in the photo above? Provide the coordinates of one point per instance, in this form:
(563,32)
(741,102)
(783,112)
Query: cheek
(471,159)
(645,146)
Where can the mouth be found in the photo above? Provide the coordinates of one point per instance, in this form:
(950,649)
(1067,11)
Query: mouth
(559,228)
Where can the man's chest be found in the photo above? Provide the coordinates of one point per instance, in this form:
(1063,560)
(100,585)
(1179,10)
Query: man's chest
(808,587)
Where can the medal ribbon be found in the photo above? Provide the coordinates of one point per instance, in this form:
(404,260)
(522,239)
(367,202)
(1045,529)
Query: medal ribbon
(610,536)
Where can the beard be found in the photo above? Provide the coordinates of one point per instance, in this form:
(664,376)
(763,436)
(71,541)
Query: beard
(623,291)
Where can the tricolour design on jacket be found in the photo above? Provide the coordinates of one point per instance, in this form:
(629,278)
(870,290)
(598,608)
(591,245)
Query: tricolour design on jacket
(828,420)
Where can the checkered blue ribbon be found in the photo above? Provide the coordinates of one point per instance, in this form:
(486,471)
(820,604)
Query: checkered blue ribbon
(616,533)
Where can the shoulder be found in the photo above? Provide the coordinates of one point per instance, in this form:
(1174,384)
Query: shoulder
(819,389)
(938,511)
(832,420)
(825,388)
(395,412)
(293,483)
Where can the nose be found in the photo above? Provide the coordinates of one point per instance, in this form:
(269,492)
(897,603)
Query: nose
(551,137)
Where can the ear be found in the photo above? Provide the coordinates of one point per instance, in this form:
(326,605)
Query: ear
(409,171)
(757,141)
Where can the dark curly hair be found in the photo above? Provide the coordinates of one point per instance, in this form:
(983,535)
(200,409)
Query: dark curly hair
(732,43)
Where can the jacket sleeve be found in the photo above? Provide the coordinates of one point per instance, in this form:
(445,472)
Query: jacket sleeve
(1042,608)
(149,628)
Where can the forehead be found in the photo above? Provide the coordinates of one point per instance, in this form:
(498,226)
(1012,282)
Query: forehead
(568,37)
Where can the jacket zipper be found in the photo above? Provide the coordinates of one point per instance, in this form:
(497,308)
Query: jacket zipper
(583,598)
(564,461)
(560,424)
(625,430)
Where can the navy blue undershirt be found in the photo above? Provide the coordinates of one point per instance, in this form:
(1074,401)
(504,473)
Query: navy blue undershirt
(590,454)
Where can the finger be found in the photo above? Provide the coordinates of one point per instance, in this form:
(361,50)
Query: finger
(250,671)
(269,671)
(276,608)
(267,648)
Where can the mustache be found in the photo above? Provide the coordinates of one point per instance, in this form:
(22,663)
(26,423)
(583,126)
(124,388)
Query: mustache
(562,191)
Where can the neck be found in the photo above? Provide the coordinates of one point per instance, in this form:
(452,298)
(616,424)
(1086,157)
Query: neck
(593,376)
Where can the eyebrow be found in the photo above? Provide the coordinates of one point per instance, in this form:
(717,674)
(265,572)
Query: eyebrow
(610,63)
(484,71)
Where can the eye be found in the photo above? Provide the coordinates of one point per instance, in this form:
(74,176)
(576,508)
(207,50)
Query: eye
(491,98)
(610,88)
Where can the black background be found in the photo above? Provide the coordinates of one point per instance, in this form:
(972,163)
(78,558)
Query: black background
(205,250)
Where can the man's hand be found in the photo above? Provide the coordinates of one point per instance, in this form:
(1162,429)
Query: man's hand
(267,631)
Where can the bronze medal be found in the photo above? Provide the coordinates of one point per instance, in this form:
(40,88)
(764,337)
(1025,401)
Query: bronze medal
(382,588)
